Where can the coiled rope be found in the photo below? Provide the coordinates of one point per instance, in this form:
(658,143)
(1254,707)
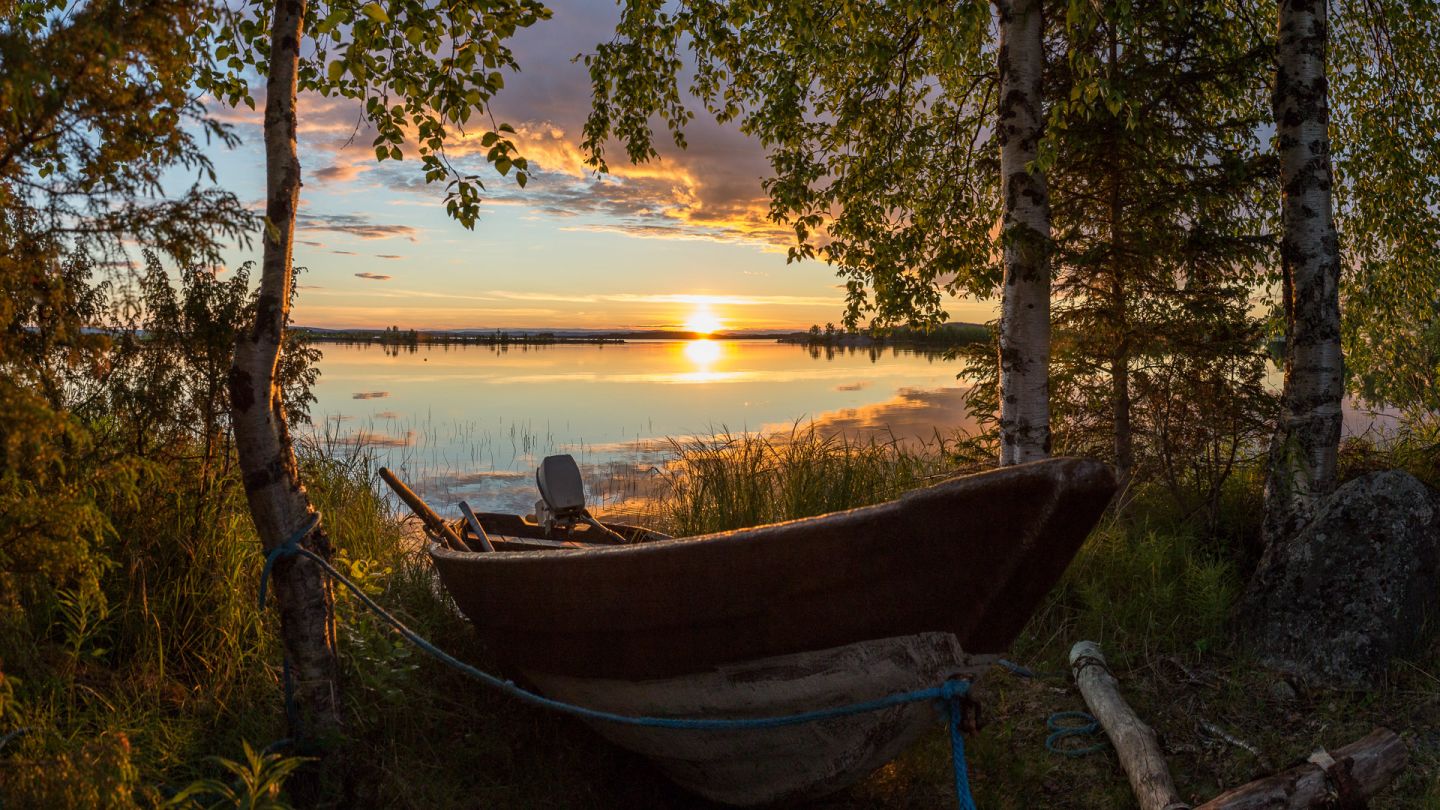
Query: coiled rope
(1062,725)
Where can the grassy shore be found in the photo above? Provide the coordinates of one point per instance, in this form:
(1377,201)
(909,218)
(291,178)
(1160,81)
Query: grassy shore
(126,696)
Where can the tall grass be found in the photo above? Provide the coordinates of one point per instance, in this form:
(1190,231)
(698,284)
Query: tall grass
(729,481)
(131,684)
(127,694)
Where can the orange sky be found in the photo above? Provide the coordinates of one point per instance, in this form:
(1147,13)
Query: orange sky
(644,247)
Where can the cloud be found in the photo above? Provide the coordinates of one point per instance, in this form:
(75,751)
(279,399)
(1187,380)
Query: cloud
(341,172)
(353,224)
(368,438)
(711,194)
(708,191)
(388,256)
(344,252)
(683,299)
(855,386)
(912,415)
(373,276)
(370,395)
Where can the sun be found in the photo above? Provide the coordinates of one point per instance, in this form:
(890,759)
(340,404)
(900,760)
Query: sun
(703,321)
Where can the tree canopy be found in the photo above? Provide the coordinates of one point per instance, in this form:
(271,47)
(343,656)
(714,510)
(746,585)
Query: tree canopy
(1385,127)
(422,70)
(877,118)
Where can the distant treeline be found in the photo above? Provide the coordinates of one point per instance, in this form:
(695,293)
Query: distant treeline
(945,335)
(395,336)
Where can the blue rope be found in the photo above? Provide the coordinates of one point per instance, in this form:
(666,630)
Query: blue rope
(289,548)
(1064,725)
(1016,669)
(950,693)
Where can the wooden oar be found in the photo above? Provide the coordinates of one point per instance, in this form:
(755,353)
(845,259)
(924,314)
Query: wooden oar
(476,527)
(423,511)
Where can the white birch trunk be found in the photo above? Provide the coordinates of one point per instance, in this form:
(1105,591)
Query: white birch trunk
(1025,238)
(278,502)
(1303,453)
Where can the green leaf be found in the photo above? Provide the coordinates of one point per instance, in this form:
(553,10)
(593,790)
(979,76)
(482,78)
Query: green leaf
(375,12)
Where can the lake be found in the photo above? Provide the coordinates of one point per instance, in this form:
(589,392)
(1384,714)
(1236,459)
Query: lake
(472,422)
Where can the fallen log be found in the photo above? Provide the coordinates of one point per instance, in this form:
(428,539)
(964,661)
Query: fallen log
(1135,743)
(1344,778)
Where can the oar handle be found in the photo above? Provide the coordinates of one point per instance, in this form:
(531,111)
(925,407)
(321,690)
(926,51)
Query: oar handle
(423,511)
(475,527)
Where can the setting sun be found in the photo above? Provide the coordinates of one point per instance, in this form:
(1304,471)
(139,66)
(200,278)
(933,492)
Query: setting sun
(703,321)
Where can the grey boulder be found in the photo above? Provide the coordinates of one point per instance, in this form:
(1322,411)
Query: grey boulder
(1354,588)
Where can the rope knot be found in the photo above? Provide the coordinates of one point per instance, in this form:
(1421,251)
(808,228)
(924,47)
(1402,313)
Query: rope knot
(289,548)
(954,689)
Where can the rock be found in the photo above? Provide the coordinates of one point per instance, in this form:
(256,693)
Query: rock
(1282,692)
(1334,604)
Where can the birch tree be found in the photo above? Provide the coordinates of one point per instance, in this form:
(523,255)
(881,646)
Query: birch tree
(420,73)
(1304,450)
(1024,236)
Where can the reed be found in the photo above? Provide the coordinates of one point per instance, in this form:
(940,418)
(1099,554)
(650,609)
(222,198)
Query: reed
(727,481)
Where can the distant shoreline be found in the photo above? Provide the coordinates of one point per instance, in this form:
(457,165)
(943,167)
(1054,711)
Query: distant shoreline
(524,336)
(949,335)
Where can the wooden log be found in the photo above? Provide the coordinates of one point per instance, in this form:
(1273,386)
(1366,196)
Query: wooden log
(1135,743)
(1344,778)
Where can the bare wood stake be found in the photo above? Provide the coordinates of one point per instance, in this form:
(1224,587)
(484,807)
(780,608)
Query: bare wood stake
(1346,777)
(1135,743)
(1222,734)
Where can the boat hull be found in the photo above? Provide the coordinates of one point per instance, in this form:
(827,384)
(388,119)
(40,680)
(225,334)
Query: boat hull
(972,556)
(792,763)
(783,619)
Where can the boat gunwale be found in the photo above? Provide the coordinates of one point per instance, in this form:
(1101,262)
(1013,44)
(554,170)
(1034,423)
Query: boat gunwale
(747,534)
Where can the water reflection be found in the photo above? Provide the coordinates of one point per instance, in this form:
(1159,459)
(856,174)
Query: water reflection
(469,422)
(704,355)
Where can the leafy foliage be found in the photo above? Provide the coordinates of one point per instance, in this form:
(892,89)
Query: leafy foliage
(100,122)
(876,118)
(1384,82)
(255,783)
(1162,199)
(422,70)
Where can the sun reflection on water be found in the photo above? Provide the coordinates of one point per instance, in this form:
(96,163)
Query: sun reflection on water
(703,355)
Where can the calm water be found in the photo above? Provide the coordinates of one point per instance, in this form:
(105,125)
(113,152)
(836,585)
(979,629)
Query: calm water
(472,422)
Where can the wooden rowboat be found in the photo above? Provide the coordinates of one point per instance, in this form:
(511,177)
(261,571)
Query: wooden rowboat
(780,619)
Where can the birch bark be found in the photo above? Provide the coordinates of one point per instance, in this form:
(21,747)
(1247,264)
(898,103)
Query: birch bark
(1303,452)
(278,502)
(1025,238)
